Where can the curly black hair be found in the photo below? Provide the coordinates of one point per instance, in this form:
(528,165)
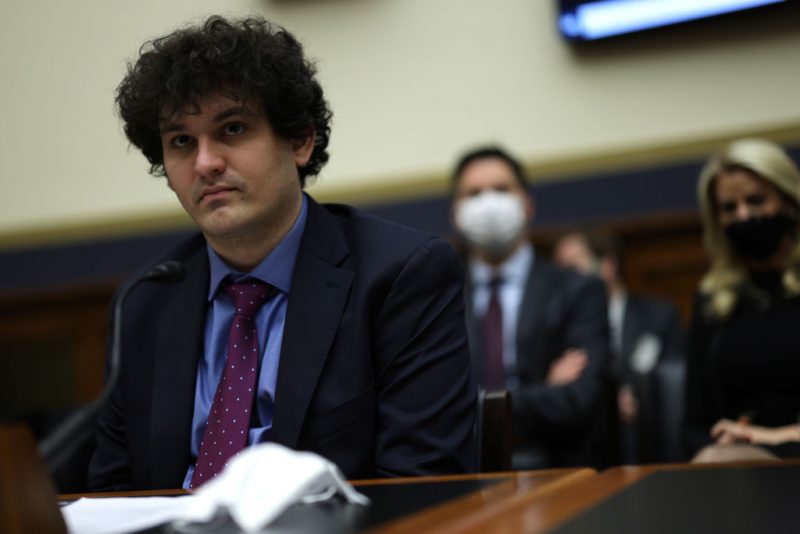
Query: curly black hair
(250,60)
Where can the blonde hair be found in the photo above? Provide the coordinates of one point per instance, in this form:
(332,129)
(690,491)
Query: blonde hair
(727,274)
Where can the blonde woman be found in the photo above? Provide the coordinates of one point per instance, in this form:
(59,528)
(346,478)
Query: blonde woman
(743,384)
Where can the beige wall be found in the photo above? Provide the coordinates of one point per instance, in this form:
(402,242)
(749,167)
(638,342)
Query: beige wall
(411,83)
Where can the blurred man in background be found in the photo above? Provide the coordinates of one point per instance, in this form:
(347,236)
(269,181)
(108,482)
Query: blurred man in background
(647,345)
(537,330)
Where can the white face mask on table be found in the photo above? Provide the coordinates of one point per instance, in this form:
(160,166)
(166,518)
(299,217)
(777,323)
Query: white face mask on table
(492,221)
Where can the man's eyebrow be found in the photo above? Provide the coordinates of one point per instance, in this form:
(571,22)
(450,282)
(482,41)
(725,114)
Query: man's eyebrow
(233,111)
(173,124)
(168,126)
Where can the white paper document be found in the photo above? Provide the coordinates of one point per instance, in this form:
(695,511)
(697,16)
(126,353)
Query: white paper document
(255,488)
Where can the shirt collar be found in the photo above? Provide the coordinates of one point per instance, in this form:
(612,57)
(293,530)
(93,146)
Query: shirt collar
(276,269)
(512,271)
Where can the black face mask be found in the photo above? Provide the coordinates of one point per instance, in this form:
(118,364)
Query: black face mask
(758,238)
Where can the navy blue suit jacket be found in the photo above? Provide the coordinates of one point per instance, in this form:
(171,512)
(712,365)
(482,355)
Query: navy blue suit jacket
(556,426)
(374,371)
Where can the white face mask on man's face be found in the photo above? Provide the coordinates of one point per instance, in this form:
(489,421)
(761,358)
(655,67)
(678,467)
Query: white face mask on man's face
(492,221)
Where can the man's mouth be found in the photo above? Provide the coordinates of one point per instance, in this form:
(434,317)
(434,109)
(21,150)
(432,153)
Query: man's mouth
(216,192)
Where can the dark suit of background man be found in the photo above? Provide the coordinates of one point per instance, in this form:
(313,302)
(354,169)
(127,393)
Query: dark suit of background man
(362,352)
(535,329)
(648,345)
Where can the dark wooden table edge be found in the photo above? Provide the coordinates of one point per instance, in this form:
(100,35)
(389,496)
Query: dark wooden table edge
(463,513)
(559,507)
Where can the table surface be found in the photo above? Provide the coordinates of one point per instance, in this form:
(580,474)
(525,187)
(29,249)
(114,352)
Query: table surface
(573,500)
(460,503)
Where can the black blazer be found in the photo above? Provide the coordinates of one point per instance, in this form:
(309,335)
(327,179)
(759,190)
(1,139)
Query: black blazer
(560,309)
(374,371)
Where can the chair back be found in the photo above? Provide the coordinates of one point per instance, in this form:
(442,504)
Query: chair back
(494,430)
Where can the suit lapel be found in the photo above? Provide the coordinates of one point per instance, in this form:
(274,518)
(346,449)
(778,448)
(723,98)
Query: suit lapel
(181,327)
(316,302)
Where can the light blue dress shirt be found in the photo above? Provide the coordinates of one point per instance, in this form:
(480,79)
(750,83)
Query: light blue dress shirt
(276,269)
(514,273)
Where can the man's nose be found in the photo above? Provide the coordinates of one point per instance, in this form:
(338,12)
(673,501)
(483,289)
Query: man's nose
(210,160)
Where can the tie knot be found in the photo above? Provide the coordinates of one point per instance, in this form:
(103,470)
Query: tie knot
(248,296)
(495,283)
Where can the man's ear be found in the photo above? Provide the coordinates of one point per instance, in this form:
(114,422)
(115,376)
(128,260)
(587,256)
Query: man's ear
(302,147)
(453,213)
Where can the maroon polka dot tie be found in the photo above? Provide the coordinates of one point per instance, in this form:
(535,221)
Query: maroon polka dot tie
(229,418)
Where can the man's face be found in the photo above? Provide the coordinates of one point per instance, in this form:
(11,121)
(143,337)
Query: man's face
(491,174)
(233,175)
(573,252)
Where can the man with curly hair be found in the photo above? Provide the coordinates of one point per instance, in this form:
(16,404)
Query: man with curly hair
(358,345)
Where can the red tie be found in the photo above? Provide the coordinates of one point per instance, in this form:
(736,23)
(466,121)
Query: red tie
(229,418)
(493,337)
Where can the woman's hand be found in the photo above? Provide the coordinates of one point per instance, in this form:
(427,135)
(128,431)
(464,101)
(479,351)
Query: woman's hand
(726,431)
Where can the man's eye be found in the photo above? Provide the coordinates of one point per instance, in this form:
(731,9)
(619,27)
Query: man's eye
(233,128)
(180,141)
(756,200)
(727,207)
